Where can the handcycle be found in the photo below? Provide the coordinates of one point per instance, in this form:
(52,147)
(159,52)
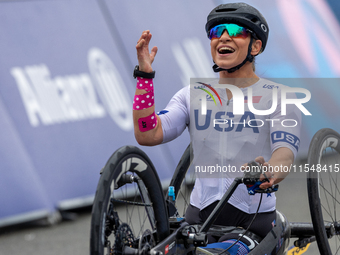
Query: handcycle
(132,215)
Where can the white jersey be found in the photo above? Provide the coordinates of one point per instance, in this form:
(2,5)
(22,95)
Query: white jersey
(223,141)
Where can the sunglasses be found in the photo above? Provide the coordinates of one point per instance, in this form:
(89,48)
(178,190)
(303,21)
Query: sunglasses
(234,31)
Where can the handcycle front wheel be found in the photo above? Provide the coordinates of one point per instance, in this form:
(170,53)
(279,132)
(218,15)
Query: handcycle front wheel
(323,189)
(129,209)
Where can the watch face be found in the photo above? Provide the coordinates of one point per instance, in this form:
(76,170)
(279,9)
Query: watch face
(134,71)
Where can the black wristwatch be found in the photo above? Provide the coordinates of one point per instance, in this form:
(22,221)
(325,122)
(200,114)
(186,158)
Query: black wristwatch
(137,73)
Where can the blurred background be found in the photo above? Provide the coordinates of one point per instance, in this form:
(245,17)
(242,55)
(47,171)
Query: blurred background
(67,87)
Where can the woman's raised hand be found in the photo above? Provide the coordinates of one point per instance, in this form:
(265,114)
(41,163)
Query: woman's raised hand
(145,58)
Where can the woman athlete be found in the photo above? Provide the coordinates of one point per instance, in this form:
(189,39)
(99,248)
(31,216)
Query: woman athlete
(238,32)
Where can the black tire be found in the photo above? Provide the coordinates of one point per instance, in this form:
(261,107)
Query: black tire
(183,181)
(324,189)
(142,199)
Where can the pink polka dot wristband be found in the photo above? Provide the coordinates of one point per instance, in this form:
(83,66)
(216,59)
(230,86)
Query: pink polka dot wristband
(141,102)
(144,83)
(147,123)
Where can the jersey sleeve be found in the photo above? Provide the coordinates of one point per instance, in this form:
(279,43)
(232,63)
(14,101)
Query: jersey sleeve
(175,117)
(285,126)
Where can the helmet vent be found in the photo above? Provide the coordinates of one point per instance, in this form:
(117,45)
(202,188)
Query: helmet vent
(226,10)
(255,20)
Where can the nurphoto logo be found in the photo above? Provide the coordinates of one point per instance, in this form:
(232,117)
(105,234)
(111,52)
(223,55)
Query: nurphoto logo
(239,99)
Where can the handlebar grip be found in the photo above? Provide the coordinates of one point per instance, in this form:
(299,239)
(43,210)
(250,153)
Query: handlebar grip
(252,190)
(271,189)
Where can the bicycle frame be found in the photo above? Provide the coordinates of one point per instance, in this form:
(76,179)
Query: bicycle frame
(177,236)
(185,238)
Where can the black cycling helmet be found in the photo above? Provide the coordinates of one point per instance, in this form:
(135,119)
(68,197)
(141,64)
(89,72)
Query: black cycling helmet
(241,14)
(244,15)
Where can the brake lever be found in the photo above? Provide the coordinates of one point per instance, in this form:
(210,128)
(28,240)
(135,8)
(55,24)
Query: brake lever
(265,177)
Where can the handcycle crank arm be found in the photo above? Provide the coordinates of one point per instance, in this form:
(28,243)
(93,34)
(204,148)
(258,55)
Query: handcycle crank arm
(224,200)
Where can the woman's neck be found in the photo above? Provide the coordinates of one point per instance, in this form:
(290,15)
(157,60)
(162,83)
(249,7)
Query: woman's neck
(244,77)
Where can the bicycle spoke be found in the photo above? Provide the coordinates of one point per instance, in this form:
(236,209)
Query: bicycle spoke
(143,226)
(330,194)
(184,196)
(329,209)
(337,250)
(337,244)
(335,195)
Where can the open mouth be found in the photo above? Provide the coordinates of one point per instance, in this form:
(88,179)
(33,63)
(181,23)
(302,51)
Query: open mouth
(225,50)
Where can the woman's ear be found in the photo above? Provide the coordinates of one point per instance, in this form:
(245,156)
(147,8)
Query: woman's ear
(256,47)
